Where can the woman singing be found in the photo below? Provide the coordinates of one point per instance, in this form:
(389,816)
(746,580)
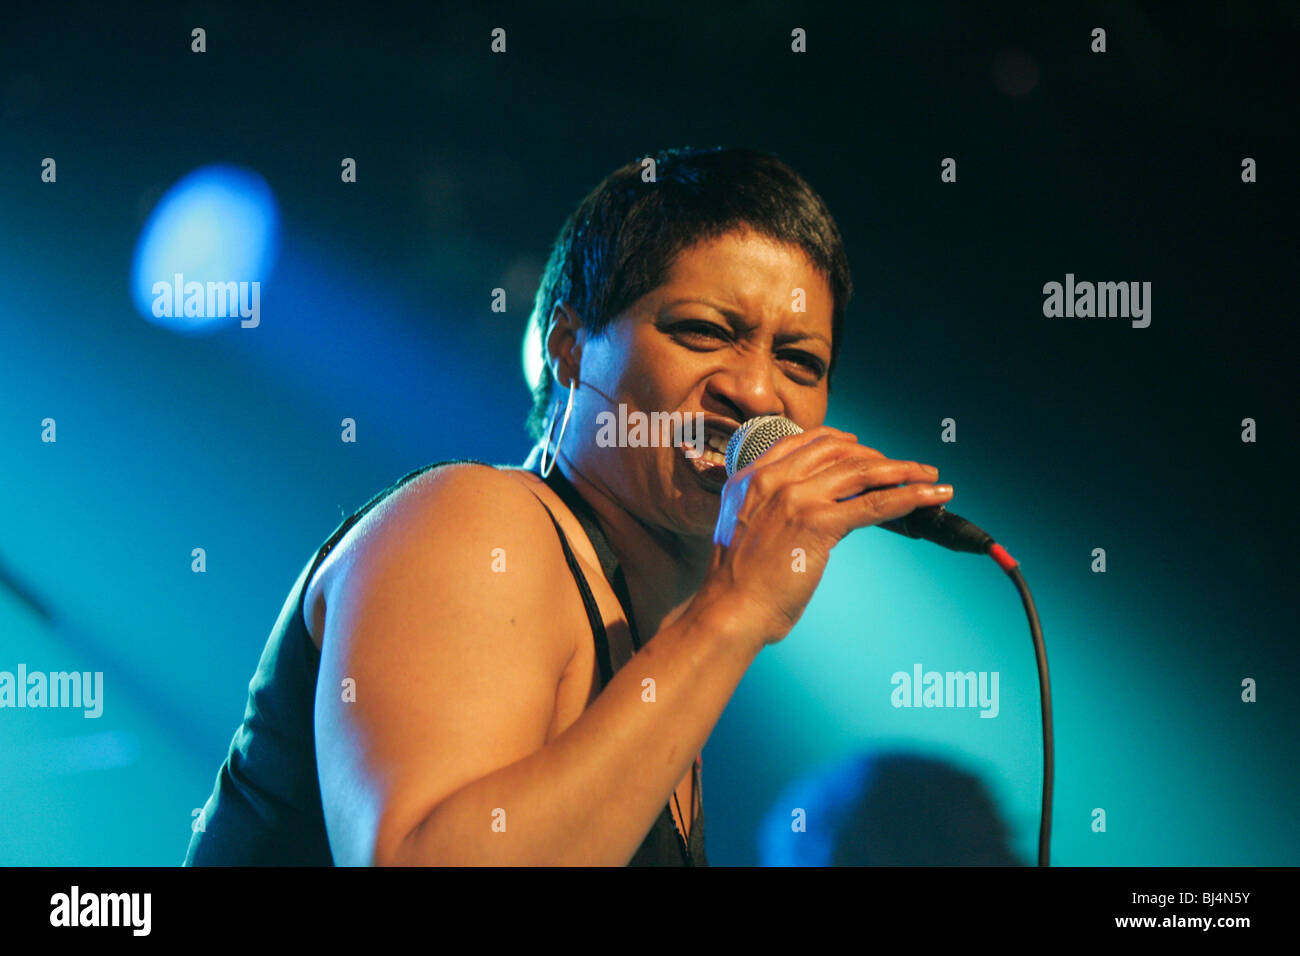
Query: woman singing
(492,665)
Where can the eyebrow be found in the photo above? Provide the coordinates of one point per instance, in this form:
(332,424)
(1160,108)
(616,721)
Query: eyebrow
(780,338)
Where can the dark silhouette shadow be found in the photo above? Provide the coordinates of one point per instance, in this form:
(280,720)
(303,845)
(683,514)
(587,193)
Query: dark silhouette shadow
(888,809)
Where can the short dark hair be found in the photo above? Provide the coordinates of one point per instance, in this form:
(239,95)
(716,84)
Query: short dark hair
(621,240)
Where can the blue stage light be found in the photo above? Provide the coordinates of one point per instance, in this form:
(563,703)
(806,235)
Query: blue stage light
(534,367)
(208,246)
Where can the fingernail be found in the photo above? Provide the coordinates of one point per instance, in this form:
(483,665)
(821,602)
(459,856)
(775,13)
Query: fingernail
(931,469)
(939,490)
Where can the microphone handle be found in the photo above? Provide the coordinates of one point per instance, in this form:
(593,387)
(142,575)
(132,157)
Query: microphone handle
(937,524)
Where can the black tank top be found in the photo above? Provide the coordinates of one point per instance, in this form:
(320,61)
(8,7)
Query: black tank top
(265,808)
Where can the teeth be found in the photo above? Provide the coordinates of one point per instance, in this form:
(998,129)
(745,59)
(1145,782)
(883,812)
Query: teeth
(710,455)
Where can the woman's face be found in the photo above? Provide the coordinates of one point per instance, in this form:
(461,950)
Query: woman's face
(723,336)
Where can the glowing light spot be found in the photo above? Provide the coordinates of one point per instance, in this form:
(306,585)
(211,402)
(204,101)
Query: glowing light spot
(217,226)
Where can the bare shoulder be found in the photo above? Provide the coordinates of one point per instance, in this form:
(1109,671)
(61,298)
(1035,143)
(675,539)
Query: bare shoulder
(446,605)
(452,512)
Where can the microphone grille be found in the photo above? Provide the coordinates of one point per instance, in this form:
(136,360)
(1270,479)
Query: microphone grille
(755,437)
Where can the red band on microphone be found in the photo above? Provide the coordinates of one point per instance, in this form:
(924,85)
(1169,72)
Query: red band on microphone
(1005,561)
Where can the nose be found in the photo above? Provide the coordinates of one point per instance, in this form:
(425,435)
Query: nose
(745,387)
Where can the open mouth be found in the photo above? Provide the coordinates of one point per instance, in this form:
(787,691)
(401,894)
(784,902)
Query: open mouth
(711,466)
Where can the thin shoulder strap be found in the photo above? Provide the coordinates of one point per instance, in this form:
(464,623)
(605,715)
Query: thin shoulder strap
(608,561)
(588,601)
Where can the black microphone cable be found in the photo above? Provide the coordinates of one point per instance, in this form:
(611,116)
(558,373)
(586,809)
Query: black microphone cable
(934,523)
(1012,568)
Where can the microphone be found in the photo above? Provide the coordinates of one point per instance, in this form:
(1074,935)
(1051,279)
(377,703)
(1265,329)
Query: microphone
(933,523)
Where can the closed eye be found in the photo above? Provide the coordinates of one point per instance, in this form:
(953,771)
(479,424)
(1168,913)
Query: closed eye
(810,362)
(707,329)
(700,331)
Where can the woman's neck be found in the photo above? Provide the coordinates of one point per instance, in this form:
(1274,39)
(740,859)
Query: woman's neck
(663,570)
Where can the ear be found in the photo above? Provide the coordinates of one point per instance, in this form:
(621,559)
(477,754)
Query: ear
(564,337)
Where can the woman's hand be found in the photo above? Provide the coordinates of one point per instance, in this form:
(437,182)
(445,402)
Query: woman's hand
(790,499)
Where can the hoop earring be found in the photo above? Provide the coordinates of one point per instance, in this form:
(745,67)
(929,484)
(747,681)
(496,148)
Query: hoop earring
(550,427)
